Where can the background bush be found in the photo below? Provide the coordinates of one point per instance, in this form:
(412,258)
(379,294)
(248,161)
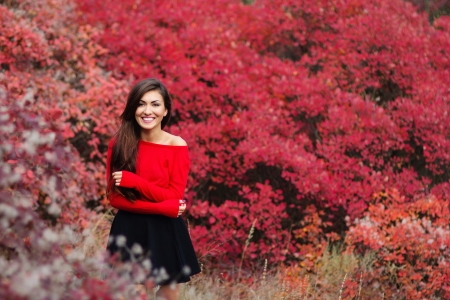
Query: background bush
(317,121)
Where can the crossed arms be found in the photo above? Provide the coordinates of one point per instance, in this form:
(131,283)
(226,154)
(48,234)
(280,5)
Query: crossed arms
(156,199)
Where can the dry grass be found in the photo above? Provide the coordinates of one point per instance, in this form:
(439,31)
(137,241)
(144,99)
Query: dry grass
(95,237)
(327,281)
(333,269)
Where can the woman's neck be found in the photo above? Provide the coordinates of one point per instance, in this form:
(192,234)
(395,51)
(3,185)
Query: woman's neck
(153,136)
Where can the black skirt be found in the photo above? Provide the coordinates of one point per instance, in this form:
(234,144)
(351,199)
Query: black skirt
(164,240)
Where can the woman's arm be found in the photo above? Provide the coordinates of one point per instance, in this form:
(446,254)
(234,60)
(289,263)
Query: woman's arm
(178,172)
(169,208)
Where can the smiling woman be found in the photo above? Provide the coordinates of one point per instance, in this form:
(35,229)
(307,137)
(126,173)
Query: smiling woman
(150,112)
(147,171)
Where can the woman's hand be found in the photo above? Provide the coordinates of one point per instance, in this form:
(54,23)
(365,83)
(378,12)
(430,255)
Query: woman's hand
(117,176)
(182,207)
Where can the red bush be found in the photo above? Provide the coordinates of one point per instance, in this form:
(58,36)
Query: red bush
(328,101)
(296,113)
(45,183)
(412,246)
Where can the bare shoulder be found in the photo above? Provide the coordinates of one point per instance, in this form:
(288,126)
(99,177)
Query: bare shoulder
(177,141)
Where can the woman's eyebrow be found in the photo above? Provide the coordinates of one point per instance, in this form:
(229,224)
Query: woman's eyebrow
(155,101)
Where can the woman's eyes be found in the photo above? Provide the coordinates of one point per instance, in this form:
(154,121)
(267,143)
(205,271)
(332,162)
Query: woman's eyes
(153,104)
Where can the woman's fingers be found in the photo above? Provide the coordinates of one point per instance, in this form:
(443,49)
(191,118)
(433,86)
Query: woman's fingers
(182,207)
(117,176)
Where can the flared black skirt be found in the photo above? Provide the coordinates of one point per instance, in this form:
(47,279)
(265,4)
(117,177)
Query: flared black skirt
(165,241)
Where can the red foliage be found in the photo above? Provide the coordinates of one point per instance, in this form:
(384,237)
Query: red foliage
(296,113)
(326,101)
(411,241)
(45,184)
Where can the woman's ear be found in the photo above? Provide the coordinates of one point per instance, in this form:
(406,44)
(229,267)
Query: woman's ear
(165,112)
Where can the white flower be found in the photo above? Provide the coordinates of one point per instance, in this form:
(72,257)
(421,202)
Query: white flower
(136,249)
(32,140)
(50,157)
(161,275)
(110,239)
(147,264)
(4,117)
(26,283)
(8,211)
(54,209)
(50,235)
(121,241)
(186,270)
(75,255)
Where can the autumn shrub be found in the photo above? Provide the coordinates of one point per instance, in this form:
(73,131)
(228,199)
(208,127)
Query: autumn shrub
(411,243)
(41,229)
(296,113)
(45,185)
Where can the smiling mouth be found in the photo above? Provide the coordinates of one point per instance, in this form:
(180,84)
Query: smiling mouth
(147,120)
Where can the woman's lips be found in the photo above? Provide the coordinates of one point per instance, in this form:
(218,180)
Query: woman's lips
(147,119)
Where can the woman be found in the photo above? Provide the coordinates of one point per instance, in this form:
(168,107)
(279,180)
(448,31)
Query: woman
(147,171)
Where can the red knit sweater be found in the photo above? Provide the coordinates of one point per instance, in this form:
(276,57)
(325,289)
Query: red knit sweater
(161,176)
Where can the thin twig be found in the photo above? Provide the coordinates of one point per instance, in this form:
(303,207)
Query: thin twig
(342,287)
(247,243)
(360,286)
(283,287)
(307,288)
(264,272)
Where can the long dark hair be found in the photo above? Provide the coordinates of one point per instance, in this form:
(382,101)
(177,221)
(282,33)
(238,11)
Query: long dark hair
(126,139)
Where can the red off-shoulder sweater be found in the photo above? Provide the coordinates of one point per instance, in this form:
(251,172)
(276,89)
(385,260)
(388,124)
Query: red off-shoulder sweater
(161,176)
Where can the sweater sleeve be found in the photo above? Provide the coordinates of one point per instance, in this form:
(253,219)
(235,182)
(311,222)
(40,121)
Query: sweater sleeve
(167,208)
(178,173)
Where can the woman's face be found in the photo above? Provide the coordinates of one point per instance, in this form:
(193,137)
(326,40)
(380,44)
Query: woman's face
(150,111)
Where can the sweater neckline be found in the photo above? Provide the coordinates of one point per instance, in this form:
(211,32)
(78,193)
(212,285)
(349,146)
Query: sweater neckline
(160,145)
